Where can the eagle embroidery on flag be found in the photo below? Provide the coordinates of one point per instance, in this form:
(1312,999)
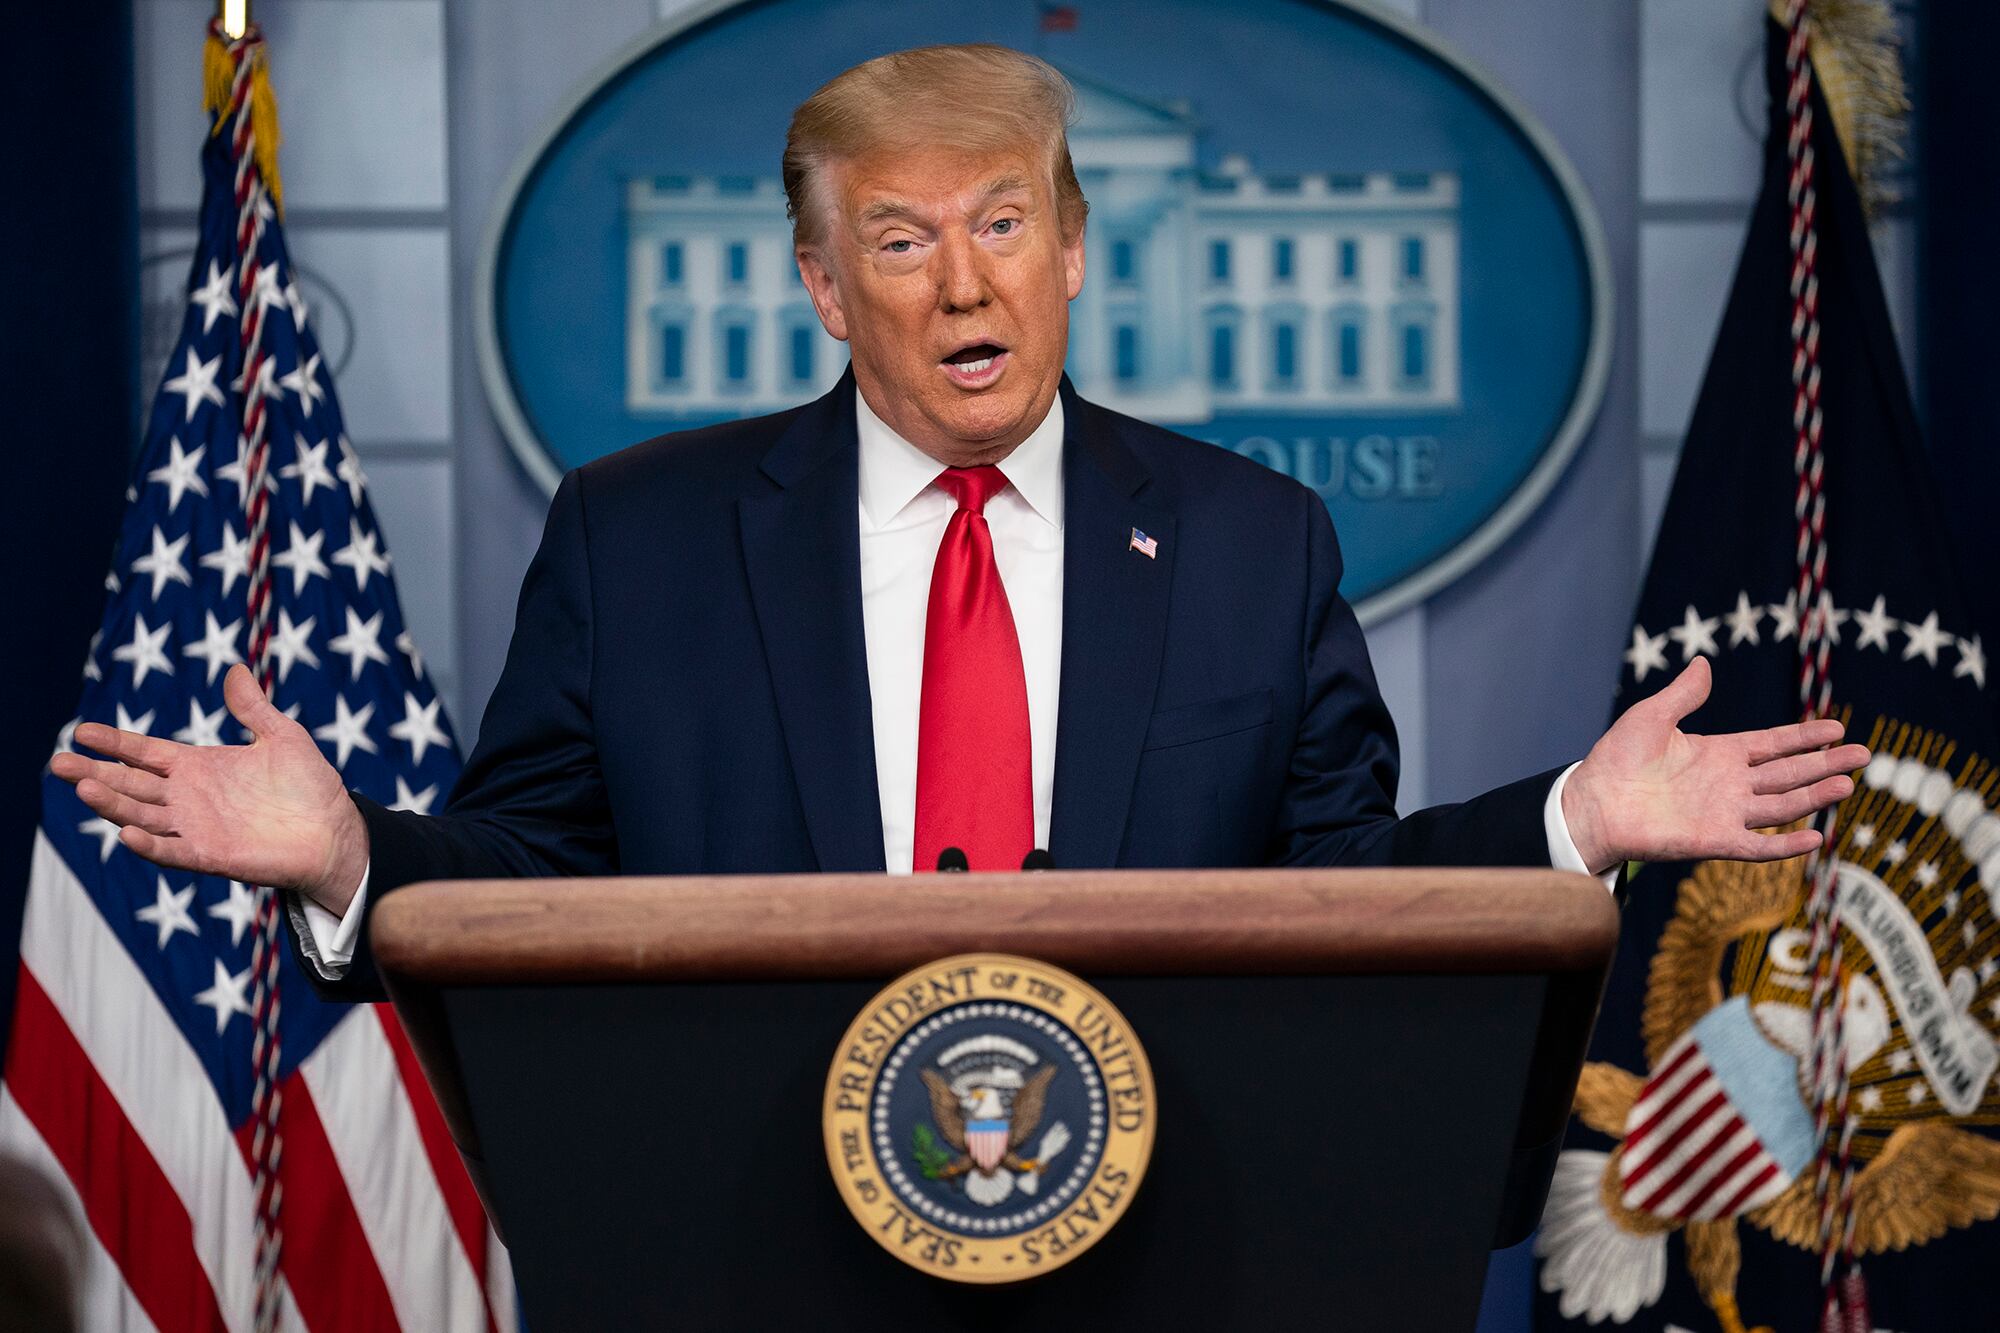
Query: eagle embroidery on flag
(1787,1117)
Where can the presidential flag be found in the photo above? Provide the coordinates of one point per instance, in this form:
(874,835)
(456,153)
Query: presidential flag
(1787,1119)
(243,1154)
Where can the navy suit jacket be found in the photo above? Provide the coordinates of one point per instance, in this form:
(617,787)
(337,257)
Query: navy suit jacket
(687,688)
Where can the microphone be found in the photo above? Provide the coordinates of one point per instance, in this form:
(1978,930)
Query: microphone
(951,860)
(1039,859)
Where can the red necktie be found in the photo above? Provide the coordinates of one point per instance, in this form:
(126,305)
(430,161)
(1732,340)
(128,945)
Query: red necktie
(975,789)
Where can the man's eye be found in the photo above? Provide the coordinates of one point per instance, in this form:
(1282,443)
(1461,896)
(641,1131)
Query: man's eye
(1007,226)
(899,247)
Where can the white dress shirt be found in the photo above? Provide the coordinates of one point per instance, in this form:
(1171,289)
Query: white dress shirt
(903,518)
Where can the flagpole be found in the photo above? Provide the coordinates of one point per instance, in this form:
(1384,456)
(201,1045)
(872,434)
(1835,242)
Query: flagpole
(240,98)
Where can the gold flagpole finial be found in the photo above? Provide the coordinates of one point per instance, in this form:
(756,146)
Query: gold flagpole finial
(235,16)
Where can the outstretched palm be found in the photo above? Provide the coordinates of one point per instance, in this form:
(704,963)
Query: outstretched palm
(271,812)
(1649,791)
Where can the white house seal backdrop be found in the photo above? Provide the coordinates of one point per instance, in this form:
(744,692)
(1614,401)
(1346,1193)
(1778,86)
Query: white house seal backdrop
(1316,238)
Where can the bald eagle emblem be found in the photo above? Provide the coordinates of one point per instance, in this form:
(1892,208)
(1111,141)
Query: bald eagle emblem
(1716,1135)
(988,1117)
(987,1095)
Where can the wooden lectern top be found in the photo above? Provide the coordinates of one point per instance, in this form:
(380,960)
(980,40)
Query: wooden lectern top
(1131,922)
(1435,980)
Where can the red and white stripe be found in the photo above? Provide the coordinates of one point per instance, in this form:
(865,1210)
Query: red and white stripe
(383,1158)
(107,1300)
(104,1092)
(1688,1153)
(987,1147)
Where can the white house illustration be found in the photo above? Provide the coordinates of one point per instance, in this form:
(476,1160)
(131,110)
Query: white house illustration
(1209,293)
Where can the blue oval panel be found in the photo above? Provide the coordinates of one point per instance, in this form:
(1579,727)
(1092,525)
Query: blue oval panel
(1315,238)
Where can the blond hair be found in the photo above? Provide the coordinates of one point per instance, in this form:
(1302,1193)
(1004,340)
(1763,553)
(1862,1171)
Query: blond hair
(979,97)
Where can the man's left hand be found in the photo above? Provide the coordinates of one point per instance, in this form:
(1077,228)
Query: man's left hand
(1649,791)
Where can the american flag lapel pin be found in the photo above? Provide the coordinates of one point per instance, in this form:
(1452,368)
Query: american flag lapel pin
(1144,545)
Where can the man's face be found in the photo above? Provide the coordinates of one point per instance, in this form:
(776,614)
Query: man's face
(947,275)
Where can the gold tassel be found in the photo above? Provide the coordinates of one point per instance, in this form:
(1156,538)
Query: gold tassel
(1860,75)
(218,71)
(264,126)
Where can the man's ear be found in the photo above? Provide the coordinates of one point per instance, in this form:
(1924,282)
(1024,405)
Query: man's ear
(1073,264)
(825,292)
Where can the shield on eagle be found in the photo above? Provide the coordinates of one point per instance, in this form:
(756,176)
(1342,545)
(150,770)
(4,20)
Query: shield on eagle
(986,1140)
(1713,1132)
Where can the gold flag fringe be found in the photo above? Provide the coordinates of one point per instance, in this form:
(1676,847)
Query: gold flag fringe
(1858,65)
(218,71)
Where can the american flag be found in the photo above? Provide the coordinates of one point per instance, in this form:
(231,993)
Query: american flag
(132,1074)
(1144,545)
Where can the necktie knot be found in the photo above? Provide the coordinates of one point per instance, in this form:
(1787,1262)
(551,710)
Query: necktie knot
(972,487)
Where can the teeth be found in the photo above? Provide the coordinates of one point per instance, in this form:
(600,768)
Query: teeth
(975,367)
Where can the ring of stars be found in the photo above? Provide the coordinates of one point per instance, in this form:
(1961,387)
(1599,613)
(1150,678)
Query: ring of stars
(1873,627)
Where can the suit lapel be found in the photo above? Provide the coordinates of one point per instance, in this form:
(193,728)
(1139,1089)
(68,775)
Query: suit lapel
(1114,633)
(802,553)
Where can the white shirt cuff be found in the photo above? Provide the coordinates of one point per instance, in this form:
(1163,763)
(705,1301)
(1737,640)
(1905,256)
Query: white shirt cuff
(1563,854)
(328,940)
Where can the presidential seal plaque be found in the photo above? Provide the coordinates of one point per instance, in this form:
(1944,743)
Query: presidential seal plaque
(988,1118)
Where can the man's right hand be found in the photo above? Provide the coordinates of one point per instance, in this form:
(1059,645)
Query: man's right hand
(271,812)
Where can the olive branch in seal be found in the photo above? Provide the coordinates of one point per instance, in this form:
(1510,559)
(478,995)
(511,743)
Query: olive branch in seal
(931,1157)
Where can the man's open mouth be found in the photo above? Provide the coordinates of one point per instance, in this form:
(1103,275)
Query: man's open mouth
(976,364)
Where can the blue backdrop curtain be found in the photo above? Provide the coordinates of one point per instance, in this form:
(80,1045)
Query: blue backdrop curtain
(1960,204)
(69,325)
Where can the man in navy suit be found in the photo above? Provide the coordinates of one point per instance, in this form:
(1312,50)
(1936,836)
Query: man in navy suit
(950,610)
